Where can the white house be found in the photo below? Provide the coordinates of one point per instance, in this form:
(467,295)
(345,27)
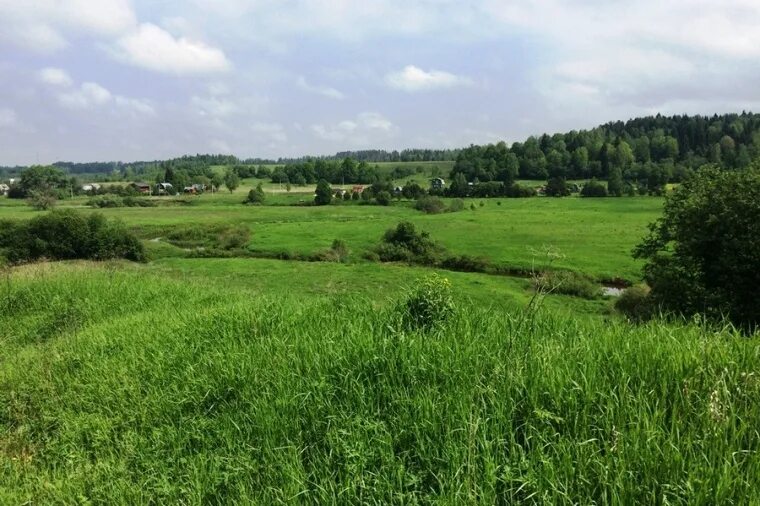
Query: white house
(4,189)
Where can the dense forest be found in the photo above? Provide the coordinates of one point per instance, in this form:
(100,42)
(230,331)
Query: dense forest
(660,149)
(647,152)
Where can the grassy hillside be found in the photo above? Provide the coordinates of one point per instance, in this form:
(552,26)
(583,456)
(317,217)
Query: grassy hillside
(126,385)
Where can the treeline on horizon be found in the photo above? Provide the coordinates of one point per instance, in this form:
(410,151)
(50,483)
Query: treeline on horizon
(668,147)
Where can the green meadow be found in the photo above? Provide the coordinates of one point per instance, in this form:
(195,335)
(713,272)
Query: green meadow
(201,378)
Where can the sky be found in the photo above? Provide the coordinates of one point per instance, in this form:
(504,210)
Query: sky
(105,80)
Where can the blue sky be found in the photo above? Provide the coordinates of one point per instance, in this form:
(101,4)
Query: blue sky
(87,80)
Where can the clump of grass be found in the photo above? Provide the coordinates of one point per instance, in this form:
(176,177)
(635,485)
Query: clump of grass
(567,283)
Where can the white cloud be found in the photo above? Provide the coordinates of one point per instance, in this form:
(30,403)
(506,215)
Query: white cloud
(214,106)
(273,131)
(87,96)
(153,48)
(43,25)
(413,79)
(325,91)
(8,117)
(91,95)
(362,130)
(55,76)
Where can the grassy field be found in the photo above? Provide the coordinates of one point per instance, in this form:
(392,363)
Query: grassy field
(594,236)
(126,384)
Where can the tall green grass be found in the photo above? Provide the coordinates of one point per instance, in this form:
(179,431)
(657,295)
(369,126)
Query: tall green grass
(122,386)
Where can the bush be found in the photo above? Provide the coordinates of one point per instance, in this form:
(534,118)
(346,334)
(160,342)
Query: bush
(429,305)
(430,205)
(466,263)
(323,194)
(41,200)
(234,237)
(405,244)
(256,196)
(456,205)
(557,187)
(517,191)
(594,188)
(105,202)
(67,235)
(703,254)
(338,252)
(635,303)
(383,198)
(567,283)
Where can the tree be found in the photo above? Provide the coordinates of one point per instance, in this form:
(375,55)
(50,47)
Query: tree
(231,180)
(557,187)
(594,189)
(217,181)
(38,178)
(703,254)
(615,183)
(459,186)
(323,194)
(383,198)
(256,196)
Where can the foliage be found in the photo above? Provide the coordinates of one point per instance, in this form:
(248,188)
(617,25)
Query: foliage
(456,205)
(703,254)
(231,181)
(405,243)
(557,187)
(594,188)
(567,283)
(429,304)
(45,180)
(323,194)
(430,205)
(635,303)
(41,200)
(65,235)
(256,196)
(383,198)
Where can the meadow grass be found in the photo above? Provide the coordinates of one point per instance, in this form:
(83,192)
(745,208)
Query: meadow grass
(123,385)
(594,236)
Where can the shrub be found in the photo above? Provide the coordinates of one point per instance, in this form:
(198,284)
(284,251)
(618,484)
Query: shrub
(703,254)
(429,305)
(557,187)
(66,235)
(383,198)
(594,188)
(405,244)
(234,237)
(635,303)
(430,205)
(567,283)
(456,205)
(256,196)
(323,194)
(517,191)
(466,263)
(105,202)
(338,252)
(41,200)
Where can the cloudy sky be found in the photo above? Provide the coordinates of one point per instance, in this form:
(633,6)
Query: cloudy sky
(86,80)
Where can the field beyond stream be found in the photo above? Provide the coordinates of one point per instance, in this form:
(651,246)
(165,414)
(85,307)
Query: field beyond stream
(122,384)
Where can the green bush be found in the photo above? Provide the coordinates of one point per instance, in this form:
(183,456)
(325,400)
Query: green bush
(567,283)
(383,198)
(430,304)
(456,205)
(635,303)
(430,205)
(256,196)
(594,188)
(66,235)
(405,244)
(234,237)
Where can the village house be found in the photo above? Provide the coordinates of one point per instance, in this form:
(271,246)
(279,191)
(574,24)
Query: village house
(437,183)
(164,189)
(90,187)
(141,187)
(4,189)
